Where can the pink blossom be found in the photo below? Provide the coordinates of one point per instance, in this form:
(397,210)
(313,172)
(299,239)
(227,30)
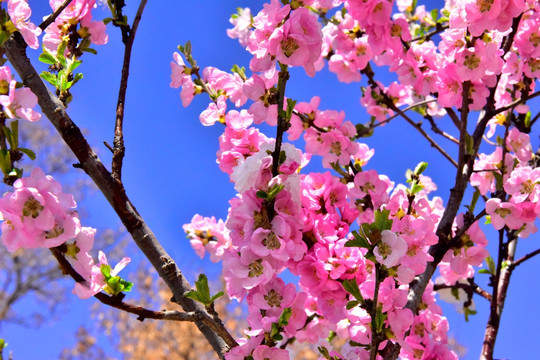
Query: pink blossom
(37,214)
(390,249)
(96,281)
(520,144)
(503,213)
(20,12)
(207,235)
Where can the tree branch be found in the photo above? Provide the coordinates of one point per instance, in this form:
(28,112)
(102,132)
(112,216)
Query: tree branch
(371,80)
(114,192)
(118,143)
(467,287)
(523,259)
(281,121)
(51,18)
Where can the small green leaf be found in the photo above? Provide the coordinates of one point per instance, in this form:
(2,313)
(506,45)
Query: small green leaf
(202,288)
(106,271)
(28,152)
(491,264)
(358,241)
(217,296)
(90,50)
(351,286)
(261,194)
(434,14)
(60,53)
(50,78)
(484,271)
(7,134)
(420,168)
(416,188)
(352,304)
(382,222)
(285,316)
(15,133)
(47,58)
(5,161)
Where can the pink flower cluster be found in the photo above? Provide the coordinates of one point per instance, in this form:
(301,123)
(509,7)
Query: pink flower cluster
(520,182)
(207,235)
(37,214)
(324,228)
(77,12)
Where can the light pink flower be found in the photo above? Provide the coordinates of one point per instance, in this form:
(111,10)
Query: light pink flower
(20,12)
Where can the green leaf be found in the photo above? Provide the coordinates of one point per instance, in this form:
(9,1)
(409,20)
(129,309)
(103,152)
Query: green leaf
(420,168)
(77,77)
(491,264)
(5,161)
(74,64)
(106,271)
(351,286)
(416,188)
(352,304)
(194,295)
(202,288)
(261,194)
(434,14)
(107,20)
(50,78)
(469,144)
(7,134)
(90,50)
(484,271)
(28,152)
(47,58)
(15,133)
(498,179)
(382,222)
(380,318)
(358,241)
(468,312)
(285,316)
(60,53)
(217,296)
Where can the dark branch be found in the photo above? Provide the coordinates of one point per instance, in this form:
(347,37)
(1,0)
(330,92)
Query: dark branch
(51,18)
(118,144)
(523,259)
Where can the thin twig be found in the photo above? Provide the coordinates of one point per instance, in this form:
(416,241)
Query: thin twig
(371,80)
(514,103)
(467,287)
(523,259)
(118,144)
(281,122)
(116,301)
(437,130)
(51,18)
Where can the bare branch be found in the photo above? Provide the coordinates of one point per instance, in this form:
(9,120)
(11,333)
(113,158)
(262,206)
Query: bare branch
(515,103)
(119,148)
(51,18)
(370,74)
(467,287)
(523,259)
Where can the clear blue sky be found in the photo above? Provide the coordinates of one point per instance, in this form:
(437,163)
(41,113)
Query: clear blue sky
(170,171)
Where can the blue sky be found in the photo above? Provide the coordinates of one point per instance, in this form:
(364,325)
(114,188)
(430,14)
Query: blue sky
(170,171)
